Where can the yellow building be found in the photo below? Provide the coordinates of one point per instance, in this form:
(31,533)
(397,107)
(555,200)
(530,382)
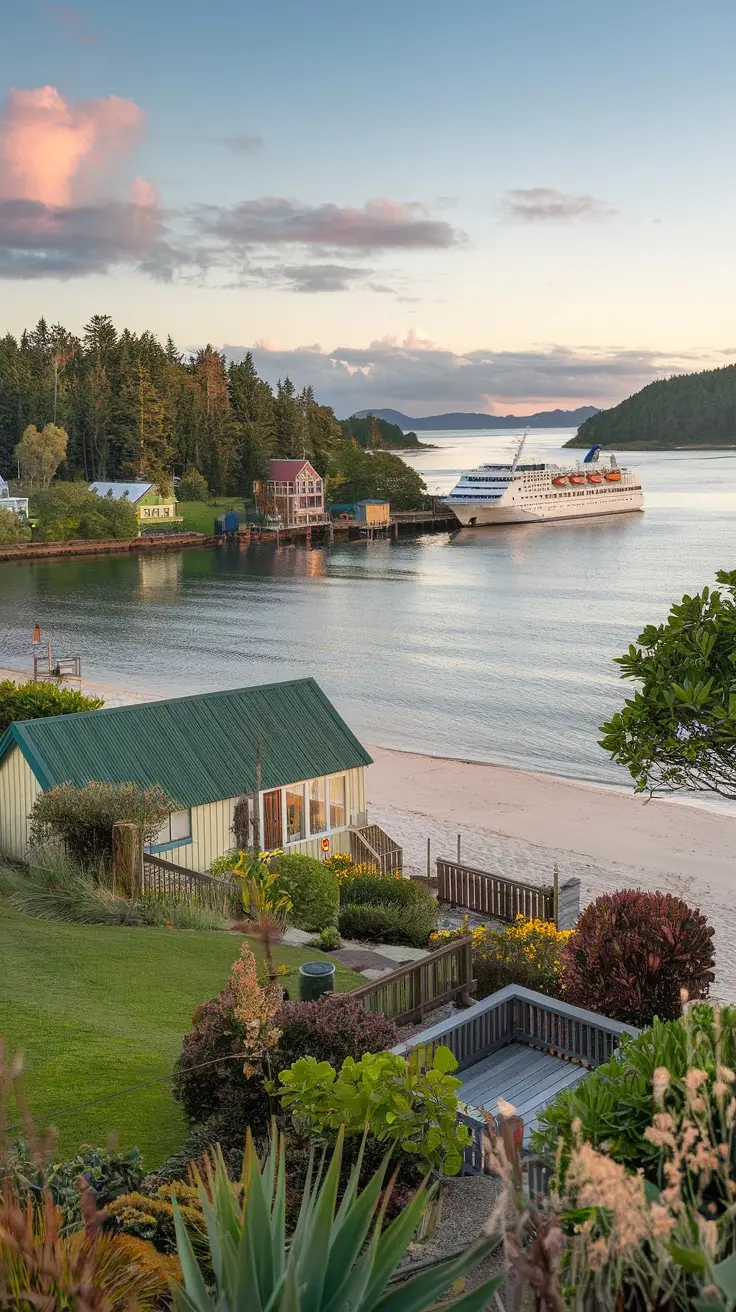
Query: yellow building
(374,514)
(281,747)
(151,508)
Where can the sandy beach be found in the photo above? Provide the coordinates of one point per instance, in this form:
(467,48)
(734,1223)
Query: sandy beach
(518,823)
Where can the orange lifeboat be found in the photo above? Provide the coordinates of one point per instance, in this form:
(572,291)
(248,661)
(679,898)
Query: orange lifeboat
(595,478)
(559,482)
(614,476)
(577,479)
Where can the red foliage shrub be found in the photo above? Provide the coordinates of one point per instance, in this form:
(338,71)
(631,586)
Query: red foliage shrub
(632,953)
(335,1027)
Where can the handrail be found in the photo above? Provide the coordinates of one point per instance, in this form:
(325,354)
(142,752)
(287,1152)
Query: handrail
(408,993)
(492,895)
(518,1015)
(166,879)
(381,848)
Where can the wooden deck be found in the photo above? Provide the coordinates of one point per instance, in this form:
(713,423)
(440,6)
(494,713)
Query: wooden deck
(528,1079)
(520,1046)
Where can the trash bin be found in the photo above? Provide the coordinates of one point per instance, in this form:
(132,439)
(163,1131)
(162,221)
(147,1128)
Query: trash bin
(316,978)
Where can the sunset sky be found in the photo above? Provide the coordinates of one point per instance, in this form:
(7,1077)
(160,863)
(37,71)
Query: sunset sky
(472,205)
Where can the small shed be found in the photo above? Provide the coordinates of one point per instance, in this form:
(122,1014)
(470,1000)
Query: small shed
(375,514)
(151,507)
(281,745)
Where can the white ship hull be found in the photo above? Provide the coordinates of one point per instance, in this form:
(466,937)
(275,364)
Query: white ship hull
(536,493)
(477,515)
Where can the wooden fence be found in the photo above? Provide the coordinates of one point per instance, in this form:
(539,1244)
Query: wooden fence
(409,993)
(491,895)
(163,879)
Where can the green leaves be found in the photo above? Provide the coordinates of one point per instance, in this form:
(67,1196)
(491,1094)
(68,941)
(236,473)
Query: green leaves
(679,729)
(337,1261)
(406,1104)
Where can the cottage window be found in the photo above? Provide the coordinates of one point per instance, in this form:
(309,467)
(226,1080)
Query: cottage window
(317,806)
(295,813)
(337,801)
(176,828)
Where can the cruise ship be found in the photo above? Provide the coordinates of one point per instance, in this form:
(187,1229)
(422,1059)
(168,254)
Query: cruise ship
(528,494)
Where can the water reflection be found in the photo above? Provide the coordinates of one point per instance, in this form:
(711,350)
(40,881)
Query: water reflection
(160,577)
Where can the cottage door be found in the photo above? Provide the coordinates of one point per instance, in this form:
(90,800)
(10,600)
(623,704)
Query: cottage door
(272,827)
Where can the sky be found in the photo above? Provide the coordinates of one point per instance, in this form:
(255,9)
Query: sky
(477,205)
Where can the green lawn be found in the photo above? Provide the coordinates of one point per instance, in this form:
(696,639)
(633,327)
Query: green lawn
(95,1008)
(199,516)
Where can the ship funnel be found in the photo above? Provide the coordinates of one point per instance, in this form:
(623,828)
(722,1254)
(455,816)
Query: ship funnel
(592,455)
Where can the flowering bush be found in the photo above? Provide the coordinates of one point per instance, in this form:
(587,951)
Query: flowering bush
(528,953)
(343,867)
(633,953)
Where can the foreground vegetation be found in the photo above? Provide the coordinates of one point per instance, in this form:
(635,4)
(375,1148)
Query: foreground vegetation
(98,1008)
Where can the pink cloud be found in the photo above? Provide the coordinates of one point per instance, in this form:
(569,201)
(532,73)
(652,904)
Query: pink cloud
(60,152)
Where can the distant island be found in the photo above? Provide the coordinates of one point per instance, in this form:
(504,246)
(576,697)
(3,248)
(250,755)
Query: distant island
(689,410)
(462,419)
(372,430)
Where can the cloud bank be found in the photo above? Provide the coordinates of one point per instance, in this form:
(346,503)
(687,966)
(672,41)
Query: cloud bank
(420,378)
(378,225)
(547,204)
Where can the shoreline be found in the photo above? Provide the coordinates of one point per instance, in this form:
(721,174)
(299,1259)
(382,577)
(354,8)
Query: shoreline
(522,823)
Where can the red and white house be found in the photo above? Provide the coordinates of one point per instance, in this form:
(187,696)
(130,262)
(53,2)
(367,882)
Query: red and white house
(294,492)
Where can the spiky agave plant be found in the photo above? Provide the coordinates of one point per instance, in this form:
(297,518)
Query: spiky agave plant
(336,1260)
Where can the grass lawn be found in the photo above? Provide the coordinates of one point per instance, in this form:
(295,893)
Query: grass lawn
(95,1008)
(199,516)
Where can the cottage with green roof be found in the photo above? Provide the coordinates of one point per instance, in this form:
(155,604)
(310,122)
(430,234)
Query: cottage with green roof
(281,745)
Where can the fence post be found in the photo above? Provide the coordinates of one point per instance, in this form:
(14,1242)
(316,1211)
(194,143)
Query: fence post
(569,904)
(127,858)
(458,849)
(429,861)
(556,897)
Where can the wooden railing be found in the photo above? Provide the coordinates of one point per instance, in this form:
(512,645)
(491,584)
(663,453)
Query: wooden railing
(372,844)
(407,994)
(163,879)
(517,1015)
(491,895)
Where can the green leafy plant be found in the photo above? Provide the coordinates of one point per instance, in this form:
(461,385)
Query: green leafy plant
(35,701)
(381,923)
(107,1172)
(312,888)
(337,1258)
(410,1107)
(12,528)
(82,818)
(329,940)
(66,511)
(679,729)
(192,486)
(632,954)
(615,1104)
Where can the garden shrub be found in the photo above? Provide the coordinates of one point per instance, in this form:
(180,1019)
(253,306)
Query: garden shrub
(632,953)
(36,701)
(192,486)
(335,1027)
(82,818)
(329,940)
(614,1105)
(151,1217)
(410,1108)
(342,865)
(66,511)
(12,528)
(528,953)
(313,889)
(108,1172)
(382,890)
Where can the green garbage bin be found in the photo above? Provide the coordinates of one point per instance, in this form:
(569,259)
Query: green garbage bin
(316,978)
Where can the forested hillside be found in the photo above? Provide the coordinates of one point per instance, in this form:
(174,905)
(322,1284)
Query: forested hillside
(374,433)
(133,407)
(688,410)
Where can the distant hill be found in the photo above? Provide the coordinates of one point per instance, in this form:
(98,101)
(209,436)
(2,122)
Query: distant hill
(684,411)
(461,419)
(371,430)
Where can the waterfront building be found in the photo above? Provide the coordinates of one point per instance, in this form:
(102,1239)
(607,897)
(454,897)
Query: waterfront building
(151,507)
(293,493)
(374,514)
(16,505)
(280,748)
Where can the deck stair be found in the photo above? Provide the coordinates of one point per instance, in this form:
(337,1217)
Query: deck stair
(372,844)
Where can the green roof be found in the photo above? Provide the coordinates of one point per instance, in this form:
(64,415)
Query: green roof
(199,749)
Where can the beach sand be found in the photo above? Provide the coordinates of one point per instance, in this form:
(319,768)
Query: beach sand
(520,824)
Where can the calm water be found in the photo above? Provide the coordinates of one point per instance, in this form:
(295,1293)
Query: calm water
(492,644)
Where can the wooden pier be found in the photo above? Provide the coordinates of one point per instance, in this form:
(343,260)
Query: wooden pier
(403,523)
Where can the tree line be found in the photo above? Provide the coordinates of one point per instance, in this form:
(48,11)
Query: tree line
(687,410)
(133,408)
